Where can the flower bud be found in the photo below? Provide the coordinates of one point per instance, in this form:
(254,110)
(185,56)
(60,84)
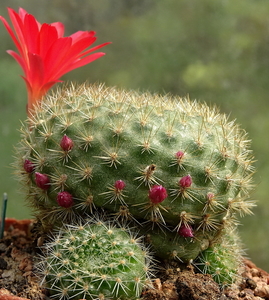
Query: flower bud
(42,181)
(157,194)
(185,231)
(179,155)
(185,181)
(66,143)
(28,166)
(119,185)
(65,199)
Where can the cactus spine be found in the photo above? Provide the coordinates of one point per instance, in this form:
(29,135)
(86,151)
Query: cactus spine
(174,165)
(94,261)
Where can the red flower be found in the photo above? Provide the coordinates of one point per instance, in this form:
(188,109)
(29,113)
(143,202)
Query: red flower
(45,54)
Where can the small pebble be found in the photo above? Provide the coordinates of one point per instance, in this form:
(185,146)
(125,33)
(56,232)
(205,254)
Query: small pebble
(255,272)
(10,274)
(262,290)
(3,248)
(3,263)
(250,283)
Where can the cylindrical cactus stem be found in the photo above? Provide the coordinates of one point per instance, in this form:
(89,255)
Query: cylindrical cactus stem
(94,260)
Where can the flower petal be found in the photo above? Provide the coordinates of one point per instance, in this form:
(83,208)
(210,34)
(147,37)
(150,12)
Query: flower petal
(17,23)
(36,71)
(11,33)
(94,49)
(48,35)
(55,57)
(81,34)
(31,32)
(19,59)
(76,49)
(84,61)
(59,28)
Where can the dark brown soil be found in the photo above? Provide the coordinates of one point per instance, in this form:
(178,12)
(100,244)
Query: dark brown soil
(17,252)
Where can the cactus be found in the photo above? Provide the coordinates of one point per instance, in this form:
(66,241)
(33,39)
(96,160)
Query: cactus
(223,261)
(94,261)
(174,165)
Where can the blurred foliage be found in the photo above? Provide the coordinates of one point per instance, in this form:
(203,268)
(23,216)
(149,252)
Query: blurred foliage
(215,51)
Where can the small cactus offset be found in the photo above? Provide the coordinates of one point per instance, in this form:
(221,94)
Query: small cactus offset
(223,260)
(94,261)
(174,165)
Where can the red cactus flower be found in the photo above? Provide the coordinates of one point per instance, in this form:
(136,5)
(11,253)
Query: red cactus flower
(44,54)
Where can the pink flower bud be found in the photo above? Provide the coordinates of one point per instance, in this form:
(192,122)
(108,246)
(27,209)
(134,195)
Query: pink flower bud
(65,199)
(66,143)
(28,166)
(185,231)
(179,154)
(185,181)
(119,185)
(157,194)
(42,181)
(210,196)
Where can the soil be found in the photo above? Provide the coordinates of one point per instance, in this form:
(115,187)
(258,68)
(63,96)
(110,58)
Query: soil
(17,278)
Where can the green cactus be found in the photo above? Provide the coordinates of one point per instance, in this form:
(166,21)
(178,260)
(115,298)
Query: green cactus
(223,261)
(174,165)
(94,261)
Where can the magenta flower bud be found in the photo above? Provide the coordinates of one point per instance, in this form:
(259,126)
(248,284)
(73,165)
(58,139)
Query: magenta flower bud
(119,185)
(185,231)
(28,166)
(42,181)
(157,194)
(185,181)
(179,154)
(65,199)
(66,143)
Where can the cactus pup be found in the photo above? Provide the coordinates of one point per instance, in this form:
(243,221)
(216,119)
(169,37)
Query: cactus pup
(95,260)
(222,260)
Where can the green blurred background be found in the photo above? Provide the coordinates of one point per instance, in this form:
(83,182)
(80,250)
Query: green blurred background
(215,51)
